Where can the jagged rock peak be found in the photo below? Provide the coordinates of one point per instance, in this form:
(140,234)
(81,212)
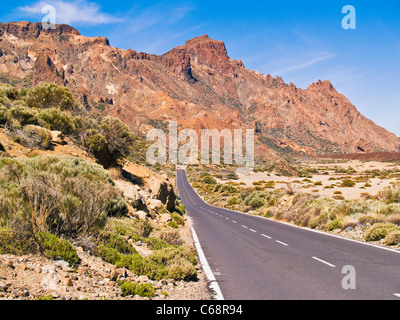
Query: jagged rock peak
(26,29)
(322,84)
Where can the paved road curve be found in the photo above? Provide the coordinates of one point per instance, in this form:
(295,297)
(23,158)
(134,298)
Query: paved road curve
(253,258)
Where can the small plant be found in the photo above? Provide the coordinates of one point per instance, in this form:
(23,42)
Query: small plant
(393,238)
(178,218)
(379,231)
(347,183)
(145,290)
(335,224)
(55,248)
(133,288)
(128,288)
(209,180)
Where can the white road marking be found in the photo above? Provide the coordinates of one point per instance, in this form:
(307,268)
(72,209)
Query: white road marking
(282,243)
(234,221)
(244,226)
(227,218)
(253,230)
(325,262)
(264,235)
(397,295)
(206,267)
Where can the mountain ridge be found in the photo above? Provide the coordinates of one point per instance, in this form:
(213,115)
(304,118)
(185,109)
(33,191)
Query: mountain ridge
(187,84)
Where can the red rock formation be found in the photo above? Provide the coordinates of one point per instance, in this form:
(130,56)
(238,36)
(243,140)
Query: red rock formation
(196,84)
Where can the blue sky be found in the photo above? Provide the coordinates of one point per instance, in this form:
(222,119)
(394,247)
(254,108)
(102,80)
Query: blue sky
(301,41)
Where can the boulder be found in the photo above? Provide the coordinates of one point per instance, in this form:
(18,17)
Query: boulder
(154,204)
(57,137)
(141,215)
(163,191)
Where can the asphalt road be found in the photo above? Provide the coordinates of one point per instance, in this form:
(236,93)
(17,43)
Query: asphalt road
(253,258)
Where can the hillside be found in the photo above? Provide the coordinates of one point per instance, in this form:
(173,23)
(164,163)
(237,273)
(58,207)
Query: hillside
(81,216)
(196,84)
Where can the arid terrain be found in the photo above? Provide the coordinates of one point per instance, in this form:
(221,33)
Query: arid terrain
(329,176)
(83,215)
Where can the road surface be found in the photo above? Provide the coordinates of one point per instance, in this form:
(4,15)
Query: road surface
(253,258)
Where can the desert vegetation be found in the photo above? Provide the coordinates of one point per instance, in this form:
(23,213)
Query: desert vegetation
(52,204)
(28,116)
(373,218)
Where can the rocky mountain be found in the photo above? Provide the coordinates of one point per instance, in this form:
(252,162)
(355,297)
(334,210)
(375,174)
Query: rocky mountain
(196,84)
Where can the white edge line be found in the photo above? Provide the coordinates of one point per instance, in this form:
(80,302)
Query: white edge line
(325,262)
(302,228)
(206,267)
(397,295)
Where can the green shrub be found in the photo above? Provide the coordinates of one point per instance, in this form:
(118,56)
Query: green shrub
(182,271)
(133,288)
(8,93)
(226,188)
(108,254)
(393,238)
(12,242)
(147,267)
(231,201)
(335,224)
(178,218)
(55,248)
(57,120)
(3,115)
(118,137)
(346,183)
(145,290)
(270,184)
(209,180)
(254,200)
(45,96)
(94,142)
(379,231)
(156,243)
(173,225)
(23,114)
(129,288)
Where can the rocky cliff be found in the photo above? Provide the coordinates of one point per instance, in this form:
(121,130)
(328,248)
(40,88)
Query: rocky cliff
(196,84)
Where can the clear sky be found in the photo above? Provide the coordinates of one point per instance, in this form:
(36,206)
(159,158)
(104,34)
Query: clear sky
(301,41)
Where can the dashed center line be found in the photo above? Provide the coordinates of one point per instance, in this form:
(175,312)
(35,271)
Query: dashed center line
(234,221)
(325,262)
(244,226)
(252,230)
(282,243)
(265,236)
